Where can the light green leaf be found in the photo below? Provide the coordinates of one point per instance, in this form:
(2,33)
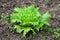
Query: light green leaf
(46,16)
(18,28)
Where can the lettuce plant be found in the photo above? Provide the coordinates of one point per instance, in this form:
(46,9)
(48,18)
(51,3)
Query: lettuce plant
(29,19)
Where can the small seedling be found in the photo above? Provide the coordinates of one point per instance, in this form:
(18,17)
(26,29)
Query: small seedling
(56,33)
(30,19)
(5,17)
(54,15)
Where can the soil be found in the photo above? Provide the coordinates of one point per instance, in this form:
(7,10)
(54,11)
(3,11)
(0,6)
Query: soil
(7,6)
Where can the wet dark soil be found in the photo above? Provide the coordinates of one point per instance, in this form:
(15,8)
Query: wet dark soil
(7,6)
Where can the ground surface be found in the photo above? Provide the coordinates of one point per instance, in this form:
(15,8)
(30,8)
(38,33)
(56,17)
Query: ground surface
(7,6)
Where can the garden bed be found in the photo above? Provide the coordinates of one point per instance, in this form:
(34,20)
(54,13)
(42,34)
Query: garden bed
(6,8)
